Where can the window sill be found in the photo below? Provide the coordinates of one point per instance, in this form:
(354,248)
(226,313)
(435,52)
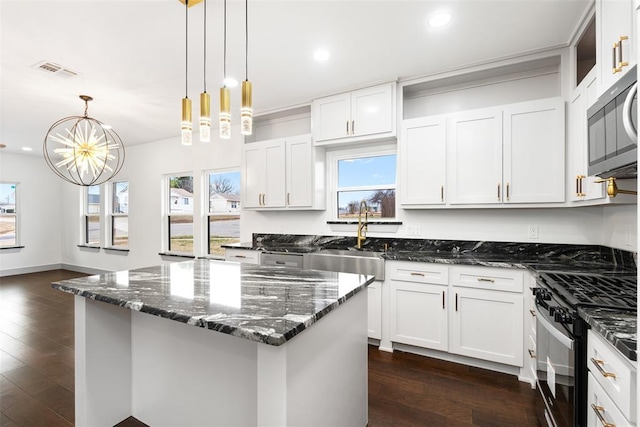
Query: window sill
(176,255)
(372,226)
(11,247)
(115,249)
(89,247)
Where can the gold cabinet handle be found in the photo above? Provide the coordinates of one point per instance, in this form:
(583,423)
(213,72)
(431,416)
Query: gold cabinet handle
(578,185)
(532,354)
(484,279)
(443,300)
(239,256)
(621,63)
(264,199)
(347,127)
(615,68)
(442,193)
(456,301)
(533,313)
(604,373)
(498,191)
(288,198)
(507,191)
(413,273)
(599,410)
(353,127)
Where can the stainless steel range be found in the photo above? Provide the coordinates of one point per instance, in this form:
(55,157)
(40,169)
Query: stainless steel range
(561,338)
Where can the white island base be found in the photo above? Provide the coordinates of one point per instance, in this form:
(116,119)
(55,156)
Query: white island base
(167,373)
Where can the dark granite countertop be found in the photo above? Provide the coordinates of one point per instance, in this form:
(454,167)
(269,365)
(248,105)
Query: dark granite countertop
(270,305)
(619,327)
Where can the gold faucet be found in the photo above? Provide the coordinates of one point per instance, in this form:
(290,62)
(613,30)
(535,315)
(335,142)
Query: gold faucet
(362,226)
(612,187)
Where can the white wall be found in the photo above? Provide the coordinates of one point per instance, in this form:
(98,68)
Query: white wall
(40,214)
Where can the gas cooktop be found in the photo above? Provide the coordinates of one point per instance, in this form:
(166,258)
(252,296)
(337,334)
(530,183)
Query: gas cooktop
(597,290)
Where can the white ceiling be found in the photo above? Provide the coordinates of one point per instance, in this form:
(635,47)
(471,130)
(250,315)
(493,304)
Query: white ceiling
(130,54)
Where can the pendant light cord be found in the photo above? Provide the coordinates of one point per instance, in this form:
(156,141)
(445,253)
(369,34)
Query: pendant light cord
(186,48)
(224,71)
(205,46)
(246,39)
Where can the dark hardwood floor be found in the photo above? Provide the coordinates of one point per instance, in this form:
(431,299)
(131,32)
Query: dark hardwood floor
(37,380)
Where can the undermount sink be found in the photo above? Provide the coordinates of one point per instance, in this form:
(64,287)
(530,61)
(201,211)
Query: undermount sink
(346,261)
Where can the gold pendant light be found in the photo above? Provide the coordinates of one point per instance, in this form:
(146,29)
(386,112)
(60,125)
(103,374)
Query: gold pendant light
(186,126)
(205,99)
(246,112)
(225,97)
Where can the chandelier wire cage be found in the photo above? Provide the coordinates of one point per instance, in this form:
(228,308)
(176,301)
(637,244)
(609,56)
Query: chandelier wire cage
(82,150)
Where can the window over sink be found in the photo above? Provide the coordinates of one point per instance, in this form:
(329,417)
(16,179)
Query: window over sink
(364,174)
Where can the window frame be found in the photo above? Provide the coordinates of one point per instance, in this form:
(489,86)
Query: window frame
(335,155)
(168,214)
(113,215)
(86,214)
(207,207)
(15,214)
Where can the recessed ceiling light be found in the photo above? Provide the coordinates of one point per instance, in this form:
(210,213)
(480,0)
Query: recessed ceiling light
(321,55)
(230,82)
(27,149)
(439,20)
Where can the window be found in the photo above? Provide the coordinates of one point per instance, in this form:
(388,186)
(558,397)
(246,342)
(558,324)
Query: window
(120,214)
(224,211)
(371,178)
(92,216)
(8,214)
(180,214)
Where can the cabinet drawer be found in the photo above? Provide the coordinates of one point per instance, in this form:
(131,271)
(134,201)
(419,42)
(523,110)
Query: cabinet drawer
(242,255)
(419,272)
(613,373)
(600,407)
(496,279)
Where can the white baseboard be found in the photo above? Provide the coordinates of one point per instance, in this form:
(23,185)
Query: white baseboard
(49,267)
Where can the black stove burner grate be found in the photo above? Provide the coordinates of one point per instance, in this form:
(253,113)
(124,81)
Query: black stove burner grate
(598,290)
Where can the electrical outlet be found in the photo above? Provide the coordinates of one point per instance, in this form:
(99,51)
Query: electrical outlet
(533,231)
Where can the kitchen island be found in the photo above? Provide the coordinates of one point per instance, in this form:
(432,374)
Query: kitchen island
(220,344)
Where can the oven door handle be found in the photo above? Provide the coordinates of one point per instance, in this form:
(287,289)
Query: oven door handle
(627,120)
(565,340)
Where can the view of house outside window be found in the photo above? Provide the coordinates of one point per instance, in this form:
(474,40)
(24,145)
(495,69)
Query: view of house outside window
(224,211)
(92,216)
(181,214)
(8,214)
(120,214)
(372,179)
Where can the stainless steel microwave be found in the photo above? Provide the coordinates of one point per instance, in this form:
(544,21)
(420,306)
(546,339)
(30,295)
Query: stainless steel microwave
(613,130)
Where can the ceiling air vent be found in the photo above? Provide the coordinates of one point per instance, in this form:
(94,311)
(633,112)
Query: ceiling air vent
(52,68)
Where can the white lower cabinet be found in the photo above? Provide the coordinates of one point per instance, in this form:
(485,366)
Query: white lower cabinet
(374,319)
(465,310)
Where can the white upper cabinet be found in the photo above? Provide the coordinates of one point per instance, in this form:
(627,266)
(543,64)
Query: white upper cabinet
(615,40)
(362,115)
(534,152)
(513,154)
(475,157)
(283,173)
(422,155)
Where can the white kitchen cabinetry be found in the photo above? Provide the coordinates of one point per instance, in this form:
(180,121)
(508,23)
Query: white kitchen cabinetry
(612,384)
(374,319)
(486,321)
(246,256)
(422,155)
(419,304)
(581,186)
(512,154)
(284,173)
(364,114)
(614,23)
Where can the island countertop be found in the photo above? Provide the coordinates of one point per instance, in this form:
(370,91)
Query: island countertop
(259,303)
